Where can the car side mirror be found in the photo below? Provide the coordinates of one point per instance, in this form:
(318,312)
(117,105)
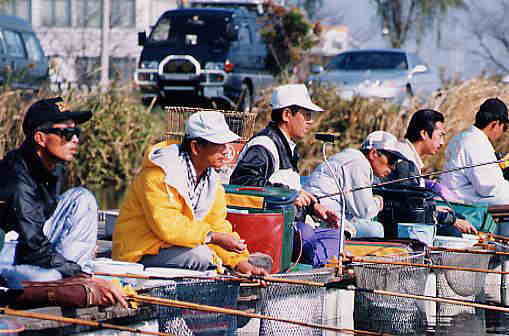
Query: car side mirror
(420,68)
(316,68)
(232,32)
(142,38)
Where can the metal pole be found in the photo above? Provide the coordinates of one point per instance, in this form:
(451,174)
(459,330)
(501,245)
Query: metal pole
(105,44)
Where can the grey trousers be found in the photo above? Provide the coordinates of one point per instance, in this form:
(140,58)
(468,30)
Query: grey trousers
(198,258)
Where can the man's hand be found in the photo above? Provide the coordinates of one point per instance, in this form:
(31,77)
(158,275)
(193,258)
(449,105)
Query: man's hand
(245,267)
(304,199)
(464,226)
(111,294)
(228,242)
(327,215)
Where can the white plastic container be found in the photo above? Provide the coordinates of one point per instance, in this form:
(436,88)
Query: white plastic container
(422,232)
(454,242)
(105,265)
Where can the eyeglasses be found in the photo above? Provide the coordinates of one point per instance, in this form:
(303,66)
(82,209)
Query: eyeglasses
(67,133)
(307,114)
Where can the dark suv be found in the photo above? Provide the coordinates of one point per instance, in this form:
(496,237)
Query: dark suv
(204,54)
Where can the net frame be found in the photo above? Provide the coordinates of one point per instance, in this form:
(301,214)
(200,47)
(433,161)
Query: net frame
(241,123)
(187,322)
(462,285)
(390,314)
(294,302)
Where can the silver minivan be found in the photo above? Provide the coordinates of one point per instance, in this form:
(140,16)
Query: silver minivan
(22,61)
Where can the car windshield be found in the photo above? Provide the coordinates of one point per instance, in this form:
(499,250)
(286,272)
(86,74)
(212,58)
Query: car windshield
(372,60)
(185,31)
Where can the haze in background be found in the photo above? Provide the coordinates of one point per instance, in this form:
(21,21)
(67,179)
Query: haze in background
(452,54)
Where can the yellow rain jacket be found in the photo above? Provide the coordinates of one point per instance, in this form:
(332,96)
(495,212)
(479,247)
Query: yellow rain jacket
(156,212)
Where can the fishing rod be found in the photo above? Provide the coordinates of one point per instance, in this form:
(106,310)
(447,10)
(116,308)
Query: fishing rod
(456,250)
(41,316)
(345,285)
(228,311)
(444,267)
(430,298)
(440,172)
(176,277)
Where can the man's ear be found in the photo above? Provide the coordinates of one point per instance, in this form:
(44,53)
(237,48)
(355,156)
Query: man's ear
(423,134)
(286,114)
(492,124)
(373,154)
(194,147)
(39,138)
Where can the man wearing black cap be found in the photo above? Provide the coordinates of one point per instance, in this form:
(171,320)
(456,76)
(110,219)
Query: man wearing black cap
(483,184)
(57,232)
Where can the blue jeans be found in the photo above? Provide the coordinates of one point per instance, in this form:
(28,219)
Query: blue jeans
(72,231)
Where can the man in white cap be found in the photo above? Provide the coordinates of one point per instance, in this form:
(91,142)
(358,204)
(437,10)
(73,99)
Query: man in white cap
(353,168)
(270,158)
(174,214)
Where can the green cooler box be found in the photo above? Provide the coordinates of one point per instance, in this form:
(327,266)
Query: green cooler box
(264,216)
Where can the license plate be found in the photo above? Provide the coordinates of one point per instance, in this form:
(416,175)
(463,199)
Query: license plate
(212,91)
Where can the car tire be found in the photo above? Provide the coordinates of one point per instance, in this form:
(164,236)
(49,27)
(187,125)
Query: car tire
(245,99)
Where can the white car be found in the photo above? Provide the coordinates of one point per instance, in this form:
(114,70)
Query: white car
(384,73)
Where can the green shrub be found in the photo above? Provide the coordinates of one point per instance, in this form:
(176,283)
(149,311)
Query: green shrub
(113,141)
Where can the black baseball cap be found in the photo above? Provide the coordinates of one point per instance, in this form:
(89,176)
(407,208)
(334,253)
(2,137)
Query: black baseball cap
(53,110)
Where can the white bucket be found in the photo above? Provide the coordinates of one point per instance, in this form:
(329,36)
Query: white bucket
(454,242)
(422,232)
(105,265)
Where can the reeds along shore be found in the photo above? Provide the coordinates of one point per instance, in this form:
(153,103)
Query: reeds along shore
(122,128)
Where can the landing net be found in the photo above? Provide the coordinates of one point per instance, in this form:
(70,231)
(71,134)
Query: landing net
(294,302)
(460,284)
(187,322)
(241,123)
(390,314)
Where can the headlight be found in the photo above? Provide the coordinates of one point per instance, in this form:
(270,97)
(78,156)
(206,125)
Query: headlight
(214,66)
(149,65)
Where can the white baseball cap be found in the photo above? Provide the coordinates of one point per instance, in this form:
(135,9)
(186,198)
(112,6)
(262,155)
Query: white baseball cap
(384,141)
(293,94)
(211,126)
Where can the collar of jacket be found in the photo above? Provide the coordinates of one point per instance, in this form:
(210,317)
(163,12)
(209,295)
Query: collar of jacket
(286,158)
(168,159)
(36,168)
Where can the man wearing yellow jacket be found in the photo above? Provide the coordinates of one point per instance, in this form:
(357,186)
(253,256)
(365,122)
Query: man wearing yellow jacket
(174,214)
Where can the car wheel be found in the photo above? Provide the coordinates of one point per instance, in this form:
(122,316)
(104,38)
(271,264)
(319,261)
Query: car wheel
(245,100)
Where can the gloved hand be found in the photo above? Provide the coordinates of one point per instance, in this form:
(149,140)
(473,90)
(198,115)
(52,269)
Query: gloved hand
(505,163)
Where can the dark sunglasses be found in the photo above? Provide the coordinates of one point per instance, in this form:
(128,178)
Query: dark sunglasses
(67,133)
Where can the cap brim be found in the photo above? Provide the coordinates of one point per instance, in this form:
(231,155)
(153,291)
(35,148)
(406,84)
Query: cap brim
(311,107)
(222,138)
(78,117)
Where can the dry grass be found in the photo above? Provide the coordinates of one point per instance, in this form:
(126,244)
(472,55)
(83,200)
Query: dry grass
(354,120)
(122,128)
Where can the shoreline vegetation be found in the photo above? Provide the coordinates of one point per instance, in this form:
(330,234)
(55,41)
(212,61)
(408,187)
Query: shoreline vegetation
(114,141)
